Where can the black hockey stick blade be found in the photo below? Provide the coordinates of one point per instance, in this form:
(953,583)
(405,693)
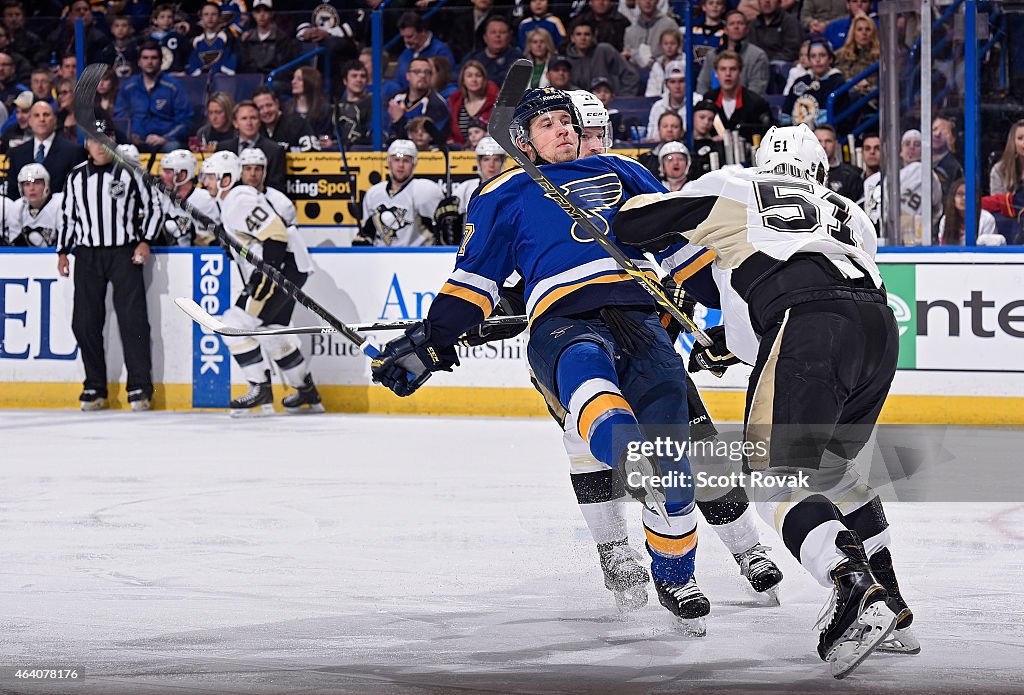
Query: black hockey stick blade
(85,116)
(203,318)
(516,82)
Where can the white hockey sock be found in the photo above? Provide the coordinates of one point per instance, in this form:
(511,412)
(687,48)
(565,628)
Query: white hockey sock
(739,535)
(605,520)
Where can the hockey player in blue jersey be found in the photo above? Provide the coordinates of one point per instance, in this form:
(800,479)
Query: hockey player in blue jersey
(596,342)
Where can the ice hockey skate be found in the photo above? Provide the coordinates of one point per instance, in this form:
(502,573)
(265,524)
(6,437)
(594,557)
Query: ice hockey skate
(624,576)
(90,400)
(259,401)
(688,603)
(305,401)
(762,573)
(902,640)
(858,617)
(139,401)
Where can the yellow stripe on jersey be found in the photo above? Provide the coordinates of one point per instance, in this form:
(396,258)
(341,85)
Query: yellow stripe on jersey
(595,408)
(275,231)
(560,292)
(499,180)
(472,296)
(694,266)
(673,547)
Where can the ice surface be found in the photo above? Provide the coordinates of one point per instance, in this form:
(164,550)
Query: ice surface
(190,553)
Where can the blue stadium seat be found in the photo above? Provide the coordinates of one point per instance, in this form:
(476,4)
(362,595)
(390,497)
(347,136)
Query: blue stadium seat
(240,86)
(775,101)
(197,89)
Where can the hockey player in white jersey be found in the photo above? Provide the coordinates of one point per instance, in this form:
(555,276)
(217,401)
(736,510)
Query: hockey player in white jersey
(178,173)
(490,160)
(597,124)
(804,303)
(32,219)
(399,211)
(246,214)
(674,164)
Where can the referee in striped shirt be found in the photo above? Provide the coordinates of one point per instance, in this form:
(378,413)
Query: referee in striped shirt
(108,220)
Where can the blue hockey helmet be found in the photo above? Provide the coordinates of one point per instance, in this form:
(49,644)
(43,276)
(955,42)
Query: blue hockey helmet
(537,102)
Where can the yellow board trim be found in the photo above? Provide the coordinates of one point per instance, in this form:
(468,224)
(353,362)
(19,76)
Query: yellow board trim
(724,406)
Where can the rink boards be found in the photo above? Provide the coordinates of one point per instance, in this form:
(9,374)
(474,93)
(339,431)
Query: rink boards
(961,318)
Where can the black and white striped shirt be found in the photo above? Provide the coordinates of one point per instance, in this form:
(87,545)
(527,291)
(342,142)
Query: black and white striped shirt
(105,206)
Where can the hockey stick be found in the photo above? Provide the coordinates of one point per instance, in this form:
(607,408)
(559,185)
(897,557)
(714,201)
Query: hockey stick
(85,115)
(435,135)
(516,82)
(200,316)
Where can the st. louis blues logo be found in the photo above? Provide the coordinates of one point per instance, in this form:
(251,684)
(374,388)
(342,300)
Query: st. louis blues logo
(593,196)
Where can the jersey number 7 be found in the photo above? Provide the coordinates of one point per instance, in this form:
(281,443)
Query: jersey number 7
(796,207)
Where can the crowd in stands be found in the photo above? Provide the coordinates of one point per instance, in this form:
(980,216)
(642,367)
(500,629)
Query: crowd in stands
(176,77)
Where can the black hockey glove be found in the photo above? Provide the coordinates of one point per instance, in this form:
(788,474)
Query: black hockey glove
(406,363)
(448,222)
(682,300)
(715,358)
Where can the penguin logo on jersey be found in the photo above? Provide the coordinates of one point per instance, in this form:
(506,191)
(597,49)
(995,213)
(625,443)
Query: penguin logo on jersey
(388,221)
(594,196)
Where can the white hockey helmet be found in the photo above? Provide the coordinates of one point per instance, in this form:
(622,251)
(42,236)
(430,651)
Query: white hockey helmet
(180,160)
(403,148)
(488,146)
(793,150)
(253,156)
(221,164)
(130,153)
(592,112)
(673,148)
(34,172)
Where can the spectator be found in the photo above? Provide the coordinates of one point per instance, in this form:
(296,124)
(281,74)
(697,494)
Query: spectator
(212,52)
(418,100)
(912,217)
(265,46)
(704,141)
(498,53)
(944,161)
(860,52)
(871,153)
(41,83)
(674,100)
(173,51)
(22,66)
(355,107)
(669,128)
(837,29)
(291,132)
(607,25)
(66,123)
(467,31)
(15,129)
(540,18)
(1007,175)
(674,164)
(540,50)
(738,108)
(57,155)
(219,109)
(559,74)
(62,39)
(807,100)
(815,15)
(641,44)
(670,44)
(473,101)
(155,104)
(122,54)
(756,67)
(10,88)
(339,33)
(845,179)
(23,41)
(590,60)
(247,123)
(111,247)
(708,30)
(389,88)
(778,34)
(952,228)
(418,133)
(67,69)
(308,101)
(419,43)
(443,83)
(474,134)
(800,68)
(234,18)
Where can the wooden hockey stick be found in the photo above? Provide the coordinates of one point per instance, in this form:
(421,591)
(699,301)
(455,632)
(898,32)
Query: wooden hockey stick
(85,115)
(200,316)
(515,85)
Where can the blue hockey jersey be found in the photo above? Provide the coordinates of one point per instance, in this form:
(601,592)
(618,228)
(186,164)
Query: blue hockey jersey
(512,226)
